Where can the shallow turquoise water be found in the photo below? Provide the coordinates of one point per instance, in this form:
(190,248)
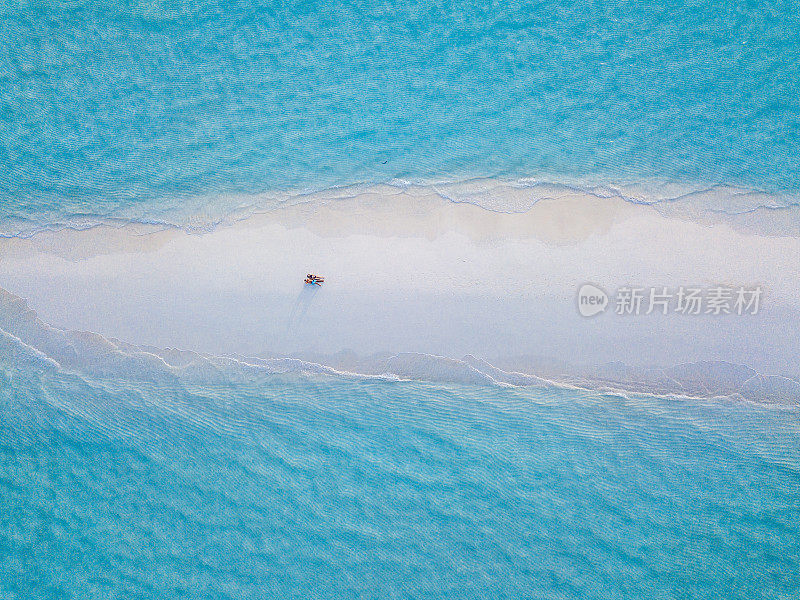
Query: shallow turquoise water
(324,488)
(147,109)
(321,488)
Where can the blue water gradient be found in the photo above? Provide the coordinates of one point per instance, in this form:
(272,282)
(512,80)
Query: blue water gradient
(312,487)
(140,109)
(292,486)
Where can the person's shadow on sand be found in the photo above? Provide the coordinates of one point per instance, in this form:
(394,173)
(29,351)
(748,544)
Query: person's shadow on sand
(299,309)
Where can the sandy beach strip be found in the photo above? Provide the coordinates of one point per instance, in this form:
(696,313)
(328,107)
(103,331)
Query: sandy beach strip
(414,271)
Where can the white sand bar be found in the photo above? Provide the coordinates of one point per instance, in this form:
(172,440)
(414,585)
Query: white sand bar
(409,271)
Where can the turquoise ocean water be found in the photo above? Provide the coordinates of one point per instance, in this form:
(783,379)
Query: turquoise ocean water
(151,110)
(296,487)
(312,487)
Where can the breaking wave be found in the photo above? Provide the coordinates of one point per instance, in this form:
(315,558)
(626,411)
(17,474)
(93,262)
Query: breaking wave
(765,212)
(26,340)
